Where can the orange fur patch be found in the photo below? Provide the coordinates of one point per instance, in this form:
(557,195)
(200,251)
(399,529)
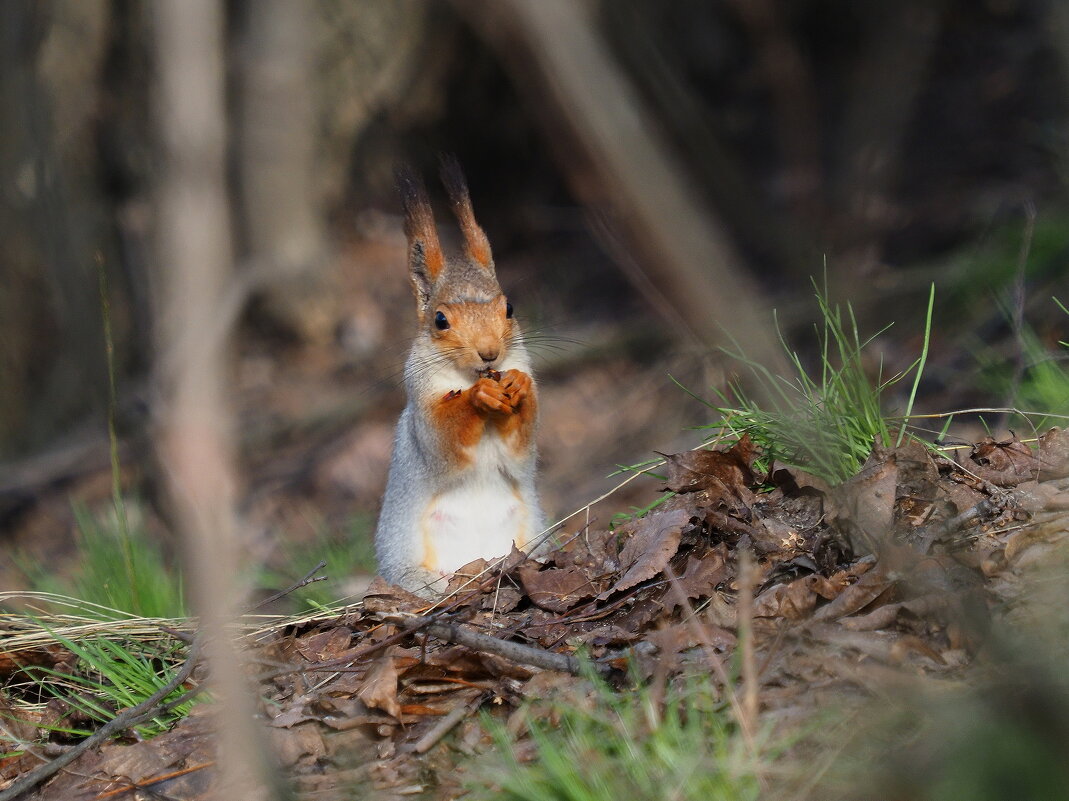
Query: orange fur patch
(478,246)
(434,261)
(419,223)
(517,429)
(459,424)
(475,239)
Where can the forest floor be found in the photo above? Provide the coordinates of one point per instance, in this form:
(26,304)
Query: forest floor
(805,607)
(795,601)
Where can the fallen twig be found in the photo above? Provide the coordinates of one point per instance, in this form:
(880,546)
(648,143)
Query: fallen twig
(146,783)
(931,534)
(446,724)
(484,643)
(309,578)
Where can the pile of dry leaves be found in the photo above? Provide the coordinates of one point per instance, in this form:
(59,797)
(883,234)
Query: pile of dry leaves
(894,570)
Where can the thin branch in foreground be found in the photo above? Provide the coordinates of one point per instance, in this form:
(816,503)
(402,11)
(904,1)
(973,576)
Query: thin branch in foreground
(745,611)
(309,578)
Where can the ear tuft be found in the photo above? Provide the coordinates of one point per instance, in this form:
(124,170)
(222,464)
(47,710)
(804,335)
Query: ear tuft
(475,241)
(424,251)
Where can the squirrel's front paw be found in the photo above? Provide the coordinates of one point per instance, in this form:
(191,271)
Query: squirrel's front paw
(517,386)
(489,395)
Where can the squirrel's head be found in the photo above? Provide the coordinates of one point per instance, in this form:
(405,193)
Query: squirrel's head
(459,303)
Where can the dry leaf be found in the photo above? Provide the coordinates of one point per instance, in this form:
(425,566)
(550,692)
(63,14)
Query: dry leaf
(857,596)
(555,589)
(868,499)
(726,472)
(379,689)
(596,551)
(323,646)
(702,575)
(793,601)
(301,743)
(793,479)
(1004,464)
(654,543)
(1054,453)
(383,597)
(467,577)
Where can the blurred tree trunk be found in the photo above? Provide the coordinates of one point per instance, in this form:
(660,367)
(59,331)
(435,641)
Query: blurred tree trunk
(195,421)
(279,221)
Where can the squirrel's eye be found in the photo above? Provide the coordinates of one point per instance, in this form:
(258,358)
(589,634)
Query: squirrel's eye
(508,309)
(440,322)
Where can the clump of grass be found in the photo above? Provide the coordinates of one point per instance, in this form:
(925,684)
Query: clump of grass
(145,585)
(1040,382)
(629,747)
(112,673)
(825,420)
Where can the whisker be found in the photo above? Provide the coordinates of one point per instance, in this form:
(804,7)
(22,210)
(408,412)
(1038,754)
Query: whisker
(539,336)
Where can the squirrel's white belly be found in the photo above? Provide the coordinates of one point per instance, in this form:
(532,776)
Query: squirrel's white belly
(480,519)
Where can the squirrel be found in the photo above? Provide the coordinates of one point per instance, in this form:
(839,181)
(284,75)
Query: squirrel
(461,483)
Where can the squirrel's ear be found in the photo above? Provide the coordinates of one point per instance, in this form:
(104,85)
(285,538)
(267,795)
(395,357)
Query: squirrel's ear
(424,251)
(475,241)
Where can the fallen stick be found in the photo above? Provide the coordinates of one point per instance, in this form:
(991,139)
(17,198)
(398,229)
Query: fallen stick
(309,578)
(447,724)
(484,643)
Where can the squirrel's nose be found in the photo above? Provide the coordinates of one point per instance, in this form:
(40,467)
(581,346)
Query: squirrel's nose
(488,353)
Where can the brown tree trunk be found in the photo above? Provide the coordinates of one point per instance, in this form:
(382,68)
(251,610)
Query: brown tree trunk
(195,421)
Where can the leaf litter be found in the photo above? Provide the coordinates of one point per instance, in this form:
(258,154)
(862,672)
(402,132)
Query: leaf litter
(895,570)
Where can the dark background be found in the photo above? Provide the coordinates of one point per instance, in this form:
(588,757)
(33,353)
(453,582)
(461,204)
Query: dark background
(882,145)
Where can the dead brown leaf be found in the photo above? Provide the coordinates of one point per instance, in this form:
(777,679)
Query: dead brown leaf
(772,536)
(595,551)
(868,499)
(1054,453)
(888,615)
(720,520)
(322,646)
(963,496)
(1004,464)
(1033,497)
(726,475)
(503,600)
(792,601)
(467,576)
(703,574)
(302,743)
(857,596)
(653,544)
(555,589)
(379,688)
(674,641)
(793,479)
(383,597)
